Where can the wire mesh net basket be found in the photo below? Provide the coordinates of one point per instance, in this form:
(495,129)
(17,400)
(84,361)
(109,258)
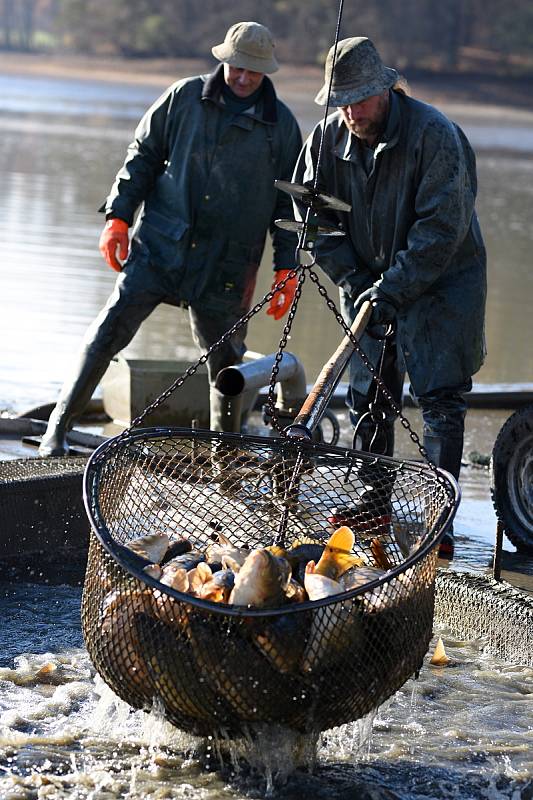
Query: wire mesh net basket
(220,666)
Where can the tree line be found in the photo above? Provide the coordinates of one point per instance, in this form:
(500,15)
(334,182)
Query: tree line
(414,33)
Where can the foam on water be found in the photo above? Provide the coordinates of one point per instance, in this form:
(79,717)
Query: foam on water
(459,732)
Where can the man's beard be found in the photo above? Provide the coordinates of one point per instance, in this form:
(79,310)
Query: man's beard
(369,131)
(372,129)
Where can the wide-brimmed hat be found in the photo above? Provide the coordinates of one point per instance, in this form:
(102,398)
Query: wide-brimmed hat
(248,45)
(359,73)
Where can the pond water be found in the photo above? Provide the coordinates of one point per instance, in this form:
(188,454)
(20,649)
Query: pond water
(63,141)
(459,732)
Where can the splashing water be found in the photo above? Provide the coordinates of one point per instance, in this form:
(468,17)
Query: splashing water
(459,732)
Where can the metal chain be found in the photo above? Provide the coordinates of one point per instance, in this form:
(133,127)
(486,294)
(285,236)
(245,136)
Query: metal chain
(203,358)
(270,403)
(379,382)
(301,272)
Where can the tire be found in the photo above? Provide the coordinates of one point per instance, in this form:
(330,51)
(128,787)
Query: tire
(511,468)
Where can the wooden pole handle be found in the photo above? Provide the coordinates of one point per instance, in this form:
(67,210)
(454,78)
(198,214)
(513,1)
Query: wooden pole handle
(318,398)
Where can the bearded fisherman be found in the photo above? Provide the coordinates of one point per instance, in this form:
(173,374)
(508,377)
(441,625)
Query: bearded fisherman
(413,248)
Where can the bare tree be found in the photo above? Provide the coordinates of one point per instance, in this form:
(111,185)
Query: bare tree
(415,33)
(8,8)
(26,23)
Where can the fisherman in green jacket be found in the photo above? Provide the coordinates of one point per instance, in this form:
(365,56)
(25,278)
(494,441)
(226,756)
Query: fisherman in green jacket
(200,172)
(413,247)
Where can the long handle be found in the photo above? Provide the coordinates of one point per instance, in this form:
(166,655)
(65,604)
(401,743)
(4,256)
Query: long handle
(318,398)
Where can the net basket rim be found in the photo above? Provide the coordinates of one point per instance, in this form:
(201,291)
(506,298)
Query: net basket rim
(119,553)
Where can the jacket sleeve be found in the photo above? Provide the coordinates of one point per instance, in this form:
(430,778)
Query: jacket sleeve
(443,210)
(283,242)
(144,161)
(335,254)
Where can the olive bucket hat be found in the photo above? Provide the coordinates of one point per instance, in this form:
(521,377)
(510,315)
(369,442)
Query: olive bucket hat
(359,73)
(248,45)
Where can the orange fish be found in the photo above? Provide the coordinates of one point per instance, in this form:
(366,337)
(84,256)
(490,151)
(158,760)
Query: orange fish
(337,556)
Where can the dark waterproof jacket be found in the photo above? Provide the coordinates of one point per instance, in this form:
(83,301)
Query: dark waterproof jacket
(206,179)
(413,232)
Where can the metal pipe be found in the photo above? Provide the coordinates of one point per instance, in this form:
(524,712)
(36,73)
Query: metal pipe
(225,413)
(317,401)
(254,375)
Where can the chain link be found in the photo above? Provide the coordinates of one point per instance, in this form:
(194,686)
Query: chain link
(379,382)
(270,403)
(135,423)
(301,272)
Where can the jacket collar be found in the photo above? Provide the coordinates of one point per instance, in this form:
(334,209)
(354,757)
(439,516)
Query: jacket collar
(266,108)
(392,129)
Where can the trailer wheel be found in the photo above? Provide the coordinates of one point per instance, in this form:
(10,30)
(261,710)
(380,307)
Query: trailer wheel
(511,469)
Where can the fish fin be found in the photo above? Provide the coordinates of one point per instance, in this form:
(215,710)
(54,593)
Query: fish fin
(153,570)
(204,571)
(310,567)
(210,591)
(277,551)
(198,576)
(342,539)
(439,657)
(46,671)
(337,556)
(151,546)
(401,538)
(230,563)
(380,556)
(223,539)
(348,562)
(295,592)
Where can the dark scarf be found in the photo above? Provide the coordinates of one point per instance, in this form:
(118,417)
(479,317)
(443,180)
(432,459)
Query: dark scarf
(215,83)
(236,104)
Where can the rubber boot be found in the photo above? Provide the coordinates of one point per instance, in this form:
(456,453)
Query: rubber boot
(74,397)
(446,453)
(371,513)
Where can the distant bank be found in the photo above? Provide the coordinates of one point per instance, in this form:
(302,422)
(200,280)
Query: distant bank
(445,90)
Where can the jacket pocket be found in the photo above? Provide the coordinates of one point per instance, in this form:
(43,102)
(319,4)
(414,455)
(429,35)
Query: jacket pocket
(172,228)
(237,274)
(239,252)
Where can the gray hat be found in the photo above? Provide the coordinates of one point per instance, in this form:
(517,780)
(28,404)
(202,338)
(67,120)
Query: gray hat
(358,74)
(248,45)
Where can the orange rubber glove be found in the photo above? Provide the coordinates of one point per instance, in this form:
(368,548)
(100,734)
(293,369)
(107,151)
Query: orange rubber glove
(281,302)
(115,234)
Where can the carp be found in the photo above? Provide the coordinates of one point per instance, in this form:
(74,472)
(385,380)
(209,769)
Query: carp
(262,581)
(337,556)
(152,546)
(216,552)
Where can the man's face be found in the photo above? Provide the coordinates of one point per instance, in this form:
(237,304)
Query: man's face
(366,119)
(242,82)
